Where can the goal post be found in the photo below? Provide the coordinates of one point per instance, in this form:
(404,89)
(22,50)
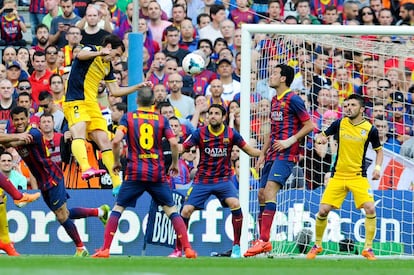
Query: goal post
(296,208)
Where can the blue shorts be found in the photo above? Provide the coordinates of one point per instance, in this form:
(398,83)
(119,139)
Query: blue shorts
(131,190)
(56,196)
(198,193)
(265,173)
(280,171)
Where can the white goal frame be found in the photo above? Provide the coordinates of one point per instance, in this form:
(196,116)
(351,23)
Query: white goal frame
(246,52)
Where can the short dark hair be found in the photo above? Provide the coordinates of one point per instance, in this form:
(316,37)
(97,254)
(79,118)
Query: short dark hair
(201,15)
(18,110)
(121,106)
(145,97)
(205,41)
(171,29)
(218,106)
(357,97)
(114,40)
(44,95)
(214,9)
(22,94)
(41,26)
(37,53)
(287,72)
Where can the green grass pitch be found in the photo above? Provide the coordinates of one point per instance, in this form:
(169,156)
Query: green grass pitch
(119,265)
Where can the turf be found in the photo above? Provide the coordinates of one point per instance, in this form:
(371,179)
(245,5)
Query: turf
(118,265)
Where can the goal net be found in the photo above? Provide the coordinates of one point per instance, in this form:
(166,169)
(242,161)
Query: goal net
(332,62)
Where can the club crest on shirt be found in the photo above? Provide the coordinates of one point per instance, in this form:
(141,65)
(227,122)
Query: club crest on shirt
(363,132)
(277,116)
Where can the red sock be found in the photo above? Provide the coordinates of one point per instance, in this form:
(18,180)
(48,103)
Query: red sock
(181,230)
(237,221)
(267,220)
(81,212)
(8,186)
(110,229)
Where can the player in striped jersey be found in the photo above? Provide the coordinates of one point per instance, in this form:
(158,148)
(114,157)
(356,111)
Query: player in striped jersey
(49,177)
(214,174)
(290,122)
(144,130)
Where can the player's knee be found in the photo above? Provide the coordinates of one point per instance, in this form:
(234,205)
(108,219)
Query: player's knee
(186,212)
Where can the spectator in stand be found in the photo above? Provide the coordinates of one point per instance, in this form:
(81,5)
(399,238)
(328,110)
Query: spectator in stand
(237,70)
(199,118)
(370,69)
(304,12)
(12,25)
(9,55)
(183,103)
(331,16)
(274,11)
(48,106)
(127,24)
(319,79)
(212,31)
(117,16)
(387,140)
(14,73)
(73,37)
(231,86)
(350,11)
(383,91)
(57,87)
(156,24)
(400,122)
(53,10)
(342,81)
(172,45)
(3,73)
(203,19)
(37,12)
(144,11)
(376,6)
(60,24)
(178,15)
(227,28)
(51,53)
(385,17)
(319,8)
(215,93)
(24,99)
(370,90)
(6,102)
(367,16)
(156,74)
(23,57)
(406,14)
(42,38)
(24,86)
(322,107)
(243,14)
(395,76)
(206,46)
(104,17)
(39,79)
(80,6)
(92,34)
(187,41)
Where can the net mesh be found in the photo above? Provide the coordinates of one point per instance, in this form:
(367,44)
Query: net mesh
(328,69)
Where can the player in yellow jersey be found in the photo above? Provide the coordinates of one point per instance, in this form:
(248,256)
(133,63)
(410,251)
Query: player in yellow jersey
(349,172)
(81,107)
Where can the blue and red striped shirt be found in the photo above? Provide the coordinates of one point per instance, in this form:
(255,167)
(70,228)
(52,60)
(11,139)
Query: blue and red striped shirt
(144,130)
(37,157)
(215,153)
(288,113)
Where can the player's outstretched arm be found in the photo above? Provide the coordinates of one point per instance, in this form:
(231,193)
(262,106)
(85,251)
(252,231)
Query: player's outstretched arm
(253,152)
(10,140)
(121,91)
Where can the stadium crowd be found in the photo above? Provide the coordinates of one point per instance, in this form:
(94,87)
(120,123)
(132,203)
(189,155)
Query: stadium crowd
(35,76)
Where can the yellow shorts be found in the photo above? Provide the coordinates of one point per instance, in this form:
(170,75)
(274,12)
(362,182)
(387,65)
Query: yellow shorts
(82,111)
(337,190)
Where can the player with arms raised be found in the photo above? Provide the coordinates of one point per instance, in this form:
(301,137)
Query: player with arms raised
(92,65)
(349,173)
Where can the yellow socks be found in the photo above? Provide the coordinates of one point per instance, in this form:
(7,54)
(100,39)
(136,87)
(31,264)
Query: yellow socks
(370,227)
(320,226)
(108,161)
(79,151)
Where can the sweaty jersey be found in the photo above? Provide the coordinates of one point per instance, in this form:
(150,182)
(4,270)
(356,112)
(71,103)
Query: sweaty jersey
(144,130)
(288,113)
(215,153)
(85,76)
(353,142)
(37,158)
